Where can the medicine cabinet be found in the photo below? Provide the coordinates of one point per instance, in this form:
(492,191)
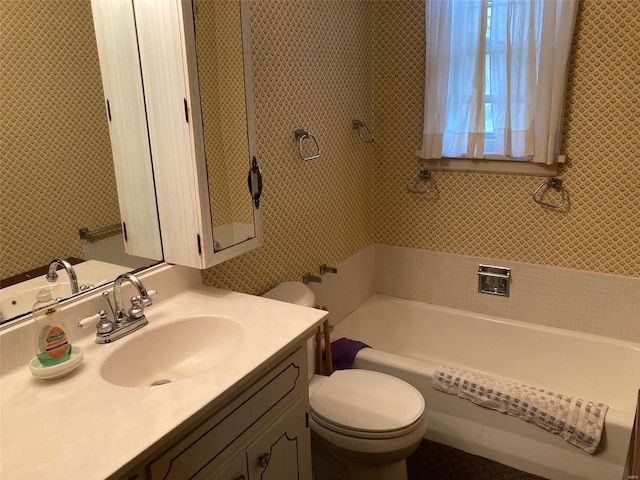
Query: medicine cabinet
(207,181)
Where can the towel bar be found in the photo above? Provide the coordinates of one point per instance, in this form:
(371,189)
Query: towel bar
(423,176)
(86,234)
(362,127)
(301,135)
(551,183)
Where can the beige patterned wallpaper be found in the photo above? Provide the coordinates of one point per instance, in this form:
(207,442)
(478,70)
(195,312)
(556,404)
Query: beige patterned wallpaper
(319,63)
(55,154)
(493,215)
(312,69)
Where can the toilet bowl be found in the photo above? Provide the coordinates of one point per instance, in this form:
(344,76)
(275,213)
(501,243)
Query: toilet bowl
(364,424)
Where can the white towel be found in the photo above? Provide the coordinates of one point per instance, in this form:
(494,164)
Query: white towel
(577,421)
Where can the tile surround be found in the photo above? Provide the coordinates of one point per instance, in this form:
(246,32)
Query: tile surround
(345,291)
(596,303)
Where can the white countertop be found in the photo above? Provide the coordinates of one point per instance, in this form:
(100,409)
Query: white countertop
(81,426)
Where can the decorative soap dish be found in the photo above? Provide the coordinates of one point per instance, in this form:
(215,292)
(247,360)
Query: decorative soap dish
(59,370)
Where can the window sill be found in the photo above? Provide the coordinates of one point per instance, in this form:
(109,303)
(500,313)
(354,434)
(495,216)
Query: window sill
(508,167)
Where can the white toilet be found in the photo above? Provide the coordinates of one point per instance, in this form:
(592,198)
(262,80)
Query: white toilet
(364,424)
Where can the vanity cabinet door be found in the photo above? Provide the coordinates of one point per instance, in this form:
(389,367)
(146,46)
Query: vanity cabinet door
(236,469)
(226,434)
(282,452)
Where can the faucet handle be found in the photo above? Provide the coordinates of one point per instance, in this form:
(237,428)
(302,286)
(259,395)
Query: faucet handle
(104,325)
(137,308)
(139,303)
(88,321)
(148,300)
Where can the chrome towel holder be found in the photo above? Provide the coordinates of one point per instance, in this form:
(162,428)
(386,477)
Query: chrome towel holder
(86,234)
(362,127)
(423,177)
(553,184)
(302,135)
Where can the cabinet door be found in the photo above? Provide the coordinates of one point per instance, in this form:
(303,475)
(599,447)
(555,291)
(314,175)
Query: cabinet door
(236,469)
(284,450)
(116,39)
(183,199)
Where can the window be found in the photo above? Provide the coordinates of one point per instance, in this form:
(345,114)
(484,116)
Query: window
(495,80)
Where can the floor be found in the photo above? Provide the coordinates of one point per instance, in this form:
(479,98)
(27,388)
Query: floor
(433,461)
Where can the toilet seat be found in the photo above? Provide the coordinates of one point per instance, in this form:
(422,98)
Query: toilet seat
(367,404)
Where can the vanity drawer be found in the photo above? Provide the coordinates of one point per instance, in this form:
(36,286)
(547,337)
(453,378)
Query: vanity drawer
(272,394)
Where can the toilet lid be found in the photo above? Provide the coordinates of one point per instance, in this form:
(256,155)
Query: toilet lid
(366,401)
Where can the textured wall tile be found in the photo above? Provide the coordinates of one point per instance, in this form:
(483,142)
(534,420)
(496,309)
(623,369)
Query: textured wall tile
(588,302)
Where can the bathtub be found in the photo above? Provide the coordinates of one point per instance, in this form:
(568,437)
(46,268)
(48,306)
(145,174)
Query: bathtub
(410,339)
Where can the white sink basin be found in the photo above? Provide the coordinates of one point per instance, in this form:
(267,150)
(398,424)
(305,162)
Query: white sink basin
(177,350)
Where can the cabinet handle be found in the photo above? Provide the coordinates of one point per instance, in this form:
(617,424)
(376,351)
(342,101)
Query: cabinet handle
(264,459)
(241,477)
(254,180)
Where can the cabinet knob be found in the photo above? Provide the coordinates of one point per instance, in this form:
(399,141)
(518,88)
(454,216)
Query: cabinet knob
(264,459)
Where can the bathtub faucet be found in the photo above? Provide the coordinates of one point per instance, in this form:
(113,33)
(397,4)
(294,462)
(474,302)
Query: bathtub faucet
(307,277)
(324,268)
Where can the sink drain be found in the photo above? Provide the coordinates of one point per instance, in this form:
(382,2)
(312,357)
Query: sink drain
(160,382)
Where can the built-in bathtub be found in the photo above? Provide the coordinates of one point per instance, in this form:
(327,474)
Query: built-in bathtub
(410,339)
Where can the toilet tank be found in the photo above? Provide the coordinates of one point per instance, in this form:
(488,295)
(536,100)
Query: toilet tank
(292,292)
(299,294)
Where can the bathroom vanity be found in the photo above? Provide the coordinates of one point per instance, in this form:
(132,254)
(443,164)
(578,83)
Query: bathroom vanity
(235,407)
(260,433)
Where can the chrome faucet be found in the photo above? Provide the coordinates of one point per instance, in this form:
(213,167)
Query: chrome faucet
(138,304)
(52,276)
(125,321)
(307,277)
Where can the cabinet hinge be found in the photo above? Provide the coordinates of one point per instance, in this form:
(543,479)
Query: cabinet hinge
(124,231)
(199,244)
(306,418)
(186,111)
(108,110)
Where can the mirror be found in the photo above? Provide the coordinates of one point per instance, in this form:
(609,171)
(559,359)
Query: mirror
(223,99)
(58,172)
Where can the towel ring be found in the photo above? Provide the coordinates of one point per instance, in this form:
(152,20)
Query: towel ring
(363,127)
(423,176)
(555,184)
(301,135)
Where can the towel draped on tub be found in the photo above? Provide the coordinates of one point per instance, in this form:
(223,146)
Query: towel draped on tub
(344,350)
(577,421)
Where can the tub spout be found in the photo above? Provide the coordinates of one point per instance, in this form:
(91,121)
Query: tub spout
(307,277)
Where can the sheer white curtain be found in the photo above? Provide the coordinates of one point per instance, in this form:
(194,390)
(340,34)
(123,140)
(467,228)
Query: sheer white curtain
(495,78)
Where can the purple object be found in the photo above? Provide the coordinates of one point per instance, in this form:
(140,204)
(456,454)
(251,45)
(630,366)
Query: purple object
(344,350)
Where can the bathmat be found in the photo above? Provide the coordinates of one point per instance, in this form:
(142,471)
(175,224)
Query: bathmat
(578,421)
(344,350)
